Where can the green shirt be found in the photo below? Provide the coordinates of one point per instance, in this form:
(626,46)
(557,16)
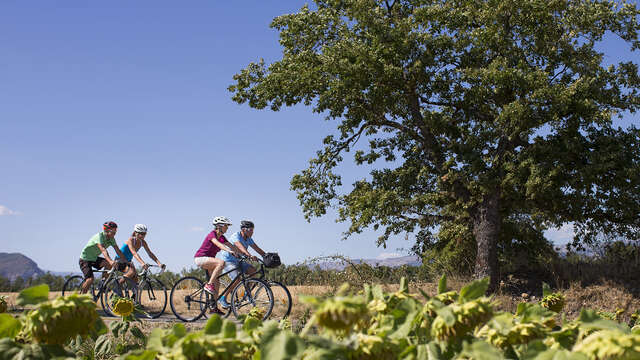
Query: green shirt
(91,251)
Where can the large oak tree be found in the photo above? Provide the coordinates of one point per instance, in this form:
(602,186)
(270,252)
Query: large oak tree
(490,118)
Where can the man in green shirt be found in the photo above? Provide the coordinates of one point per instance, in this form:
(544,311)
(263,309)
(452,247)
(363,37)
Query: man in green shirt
(98,244)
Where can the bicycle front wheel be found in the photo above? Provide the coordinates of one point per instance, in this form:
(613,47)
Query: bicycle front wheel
(120,286)
(74,284)
(188,299)
(281,300)
(252,294)
(152,296)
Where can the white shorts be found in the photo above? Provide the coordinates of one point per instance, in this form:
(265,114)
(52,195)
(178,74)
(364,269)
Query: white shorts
(200,261)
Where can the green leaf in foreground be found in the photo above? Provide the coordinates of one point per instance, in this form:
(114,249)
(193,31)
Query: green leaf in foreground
(9,326)
(442,284)
(33,295)
(474,290)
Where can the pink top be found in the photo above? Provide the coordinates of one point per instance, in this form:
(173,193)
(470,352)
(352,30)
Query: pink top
(208,248)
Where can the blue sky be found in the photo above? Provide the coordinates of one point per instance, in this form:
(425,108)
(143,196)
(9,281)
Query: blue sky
(120,111)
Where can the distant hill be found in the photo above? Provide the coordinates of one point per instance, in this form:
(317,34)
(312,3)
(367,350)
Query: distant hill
(13,265)
(409,260)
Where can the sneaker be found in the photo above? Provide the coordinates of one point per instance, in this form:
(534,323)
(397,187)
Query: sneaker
(210,288)
(223,303)
(215,310)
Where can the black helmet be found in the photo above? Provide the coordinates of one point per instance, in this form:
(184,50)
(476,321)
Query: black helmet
(246,224)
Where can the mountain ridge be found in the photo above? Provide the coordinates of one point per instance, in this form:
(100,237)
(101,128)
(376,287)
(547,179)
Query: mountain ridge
(338,264)
(15,265)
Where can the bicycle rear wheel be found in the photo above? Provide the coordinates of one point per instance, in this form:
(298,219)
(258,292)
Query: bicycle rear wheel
(281,300)
(74,284)
(119,286)
(252,294)
(188,299)
(152,297)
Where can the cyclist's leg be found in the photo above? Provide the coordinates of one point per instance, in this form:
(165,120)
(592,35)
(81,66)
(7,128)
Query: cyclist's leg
(246,269)
(130,271)
(214,266)
(231,264)
(87,269)
(87,272)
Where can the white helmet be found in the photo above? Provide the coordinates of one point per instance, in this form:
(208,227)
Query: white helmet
(140,228)
(221,220)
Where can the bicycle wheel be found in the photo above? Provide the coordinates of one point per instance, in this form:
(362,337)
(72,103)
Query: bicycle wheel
(188,299)
(74,284)
(120,286)
(281,300)
(252,294)
(152,296)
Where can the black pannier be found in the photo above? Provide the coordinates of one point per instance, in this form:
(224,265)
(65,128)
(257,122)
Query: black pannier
(271,260)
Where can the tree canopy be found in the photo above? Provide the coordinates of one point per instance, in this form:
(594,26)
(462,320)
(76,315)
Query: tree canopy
(491,119)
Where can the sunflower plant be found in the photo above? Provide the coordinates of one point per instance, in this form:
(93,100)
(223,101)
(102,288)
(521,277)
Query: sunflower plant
(120,342)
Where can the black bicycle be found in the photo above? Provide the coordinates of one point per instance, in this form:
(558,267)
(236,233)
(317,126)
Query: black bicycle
(189,301)
(112,282)
(151,294)
(282,301)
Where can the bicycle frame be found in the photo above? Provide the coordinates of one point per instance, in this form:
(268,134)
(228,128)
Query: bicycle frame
(103,281)
(143,276)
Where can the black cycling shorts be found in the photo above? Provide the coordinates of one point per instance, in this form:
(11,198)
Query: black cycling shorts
(120,266)
(88,266)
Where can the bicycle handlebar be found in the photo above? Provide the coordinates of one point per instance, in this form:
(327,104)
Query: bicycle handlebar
(144,271)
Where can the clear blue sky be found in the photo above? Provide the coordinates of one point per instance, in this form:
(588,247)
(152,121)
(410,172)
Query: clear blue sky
(119,111)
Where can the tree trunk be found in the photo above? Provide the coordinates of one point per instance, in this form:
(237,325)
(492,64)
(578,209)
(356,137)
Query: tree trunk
(486,227)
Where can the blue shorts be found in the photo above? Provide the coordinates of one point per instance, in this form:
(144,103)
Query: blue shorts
(232,263)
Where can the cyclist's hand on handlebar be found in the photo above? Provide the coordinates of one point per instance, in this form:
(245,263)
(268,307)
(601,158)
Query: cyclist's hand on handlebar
(163,267)
(145,266)
(254,258)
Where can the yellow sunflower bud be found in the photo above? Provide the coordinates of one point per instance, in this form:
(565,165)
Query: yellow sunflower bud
(122,307)
(342,313)
(610,344)
(554,302)
(257,313)
(467,317)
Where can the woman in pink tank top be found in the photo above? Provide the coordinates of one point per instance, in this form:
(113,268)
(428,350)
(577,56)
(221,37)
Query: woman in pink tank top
(205,257)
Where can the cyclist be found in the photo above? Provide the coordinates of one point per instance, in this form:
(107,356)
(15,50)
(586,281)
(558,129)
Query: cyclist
(242,240)
(130,251)
(90,259)
(205,257)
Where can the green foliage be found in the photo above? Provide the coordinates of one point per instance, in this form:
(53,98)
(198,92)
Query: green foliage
(496,116)
(33,295)
(373,325)
(42,332)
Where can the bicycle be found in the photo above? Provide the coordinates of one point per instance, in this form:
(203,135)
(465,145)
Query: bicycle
(111,282)
(151,293)
(189,301)
(282,301)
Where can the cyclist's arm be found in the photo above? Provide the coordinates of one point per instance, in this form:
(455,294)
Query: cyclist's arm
(257,249)
(105,253)
(120,254)
(151,255)
(225,246)
(242,249)
(134,252)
